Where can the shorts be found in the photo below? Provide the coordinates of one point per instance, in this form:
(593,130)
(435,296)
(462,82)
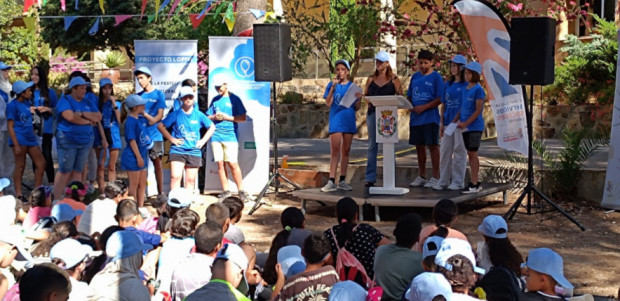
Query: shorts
(157,151)
(472,140)
(225,151)
(190,161)
(426,134)
(71,156)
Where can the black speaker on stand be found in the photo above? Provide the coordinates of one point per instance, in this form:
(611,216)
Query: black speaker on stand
(532,54)
(272,63)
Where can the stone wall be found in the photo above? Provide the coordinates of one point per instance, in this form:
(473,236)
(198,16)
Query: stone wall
(554,118)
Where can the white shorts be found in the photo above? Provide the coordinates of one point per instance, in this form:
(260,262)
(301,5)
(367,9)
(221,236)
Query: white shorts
(225,151)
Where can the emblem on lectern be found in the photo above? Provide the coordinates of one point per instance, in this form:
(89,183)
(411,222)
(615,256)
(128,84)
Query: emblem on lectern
(387,124)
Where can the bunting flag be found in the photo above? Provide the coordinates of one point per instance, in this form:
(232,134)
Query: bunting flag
(93,30)
(120,19)
(44,2)
(230,12)
(68,21)
(206,9)
(63,5)
(270,15)
(173,8)
(101,6)
(230,23)
(150,19)
(76,5)
(28,4)
(141,11)
(30,23)
(257,13)
(166,2)
(188,3)
(196,19)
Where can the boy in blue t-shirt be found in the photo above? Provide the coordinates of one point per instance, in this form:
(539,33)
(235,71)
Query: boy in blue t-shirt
(471,121)
(425,95)
(226,110)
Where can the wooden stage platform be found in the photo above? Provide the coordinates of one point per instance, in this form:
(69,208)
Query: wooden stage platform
(417,197)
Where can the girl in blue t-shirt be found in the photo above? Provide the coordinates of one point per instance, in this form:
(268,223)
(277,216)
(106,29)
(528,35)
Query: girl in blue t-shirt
(341,126)
(138,142)
(471,122)
(110,120)
(452,153)
(45,100)
(22,137)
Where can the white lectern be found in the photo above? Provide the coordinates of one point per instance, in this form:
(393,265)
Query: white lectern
(387,134)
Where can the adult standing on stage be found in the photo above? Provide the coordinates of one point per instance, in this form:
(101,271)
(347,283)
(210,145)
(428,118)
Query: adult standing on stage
(7,166)
(382,82)
(45,97)
(155,105)
(226,111)
(341,126)
(74,134)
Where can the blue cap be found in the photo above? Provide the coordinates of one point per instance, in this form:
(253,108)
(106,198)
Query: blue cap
(431,246)
(179,198)
(347,290)
(459,59)
(493,226)
(123,244)
(427,286)
(546,261)
(21,86)
(71,251)
(4,183)
(4,66)
(134,100)
(474,66)
(64,212)
(344,62)
(144,70)
(291,260)
(105,81)
(77,81)
(382,56)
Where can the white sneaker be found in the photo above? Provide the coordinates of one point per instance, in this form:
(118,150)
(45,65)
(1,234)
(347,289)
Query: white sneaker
(430,183)
(455,187)
(419,181)
(329,187)
(439,186)
(342,185)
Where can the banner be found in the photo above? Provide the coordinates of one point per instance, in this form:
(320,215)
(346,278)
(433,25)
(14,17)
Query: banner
(611,194)
(171,62)
(489,35)
(232,58)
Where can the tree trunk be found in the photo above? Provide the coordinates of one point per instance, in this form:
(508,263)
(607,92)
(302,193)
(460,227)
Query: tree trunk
(245,19)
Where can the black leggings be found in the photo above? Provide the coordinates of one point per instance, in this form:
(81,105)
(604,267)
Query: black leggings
(46,148)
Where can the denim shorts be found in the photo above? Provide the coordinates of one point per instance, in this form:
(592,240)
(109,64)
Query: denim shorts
(71,156)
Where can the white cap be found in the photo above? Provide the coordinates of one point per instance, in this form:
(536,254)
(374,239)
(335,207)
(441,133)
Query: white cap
(427,286)
(455,246)
(185,90)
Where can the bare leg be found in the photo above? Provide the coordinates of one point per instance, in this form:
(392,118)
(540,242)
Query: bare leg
(474,166)
(141,190)
(60,182)
(434,150)
(421,152)
(112,165)
(236,174)
(176,174)
(39,162)
(20,162)
(335,141)
(100,152)
(190,178)
(134,178)
(347,139)
(221,171)
(159,175)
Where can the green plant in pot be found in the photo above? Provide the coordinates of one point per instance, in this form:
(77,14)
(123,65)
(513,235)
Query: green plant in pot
(112,60)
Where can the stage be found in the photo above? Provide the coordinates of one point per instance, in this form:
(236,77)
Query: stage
(417,197)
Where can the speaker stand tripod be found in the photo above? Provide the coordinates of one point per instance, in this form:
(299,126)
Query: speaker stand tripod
(275,174)
(530,188)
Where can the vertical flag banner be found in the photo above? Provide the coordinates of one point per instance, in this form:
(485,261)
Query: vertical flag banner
(489,35)
(171,62)
(611,194)
(232,58)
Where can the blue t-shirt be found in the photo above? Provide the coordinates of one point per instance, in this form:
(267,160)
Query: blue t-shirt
(468,107)
(226,131)
(76,133)
(452,100)
(186,127)
(48,123)
(422,90)
(19,112)
(155,100)
(147,238)
(341,119)
(108,116)
(135,129)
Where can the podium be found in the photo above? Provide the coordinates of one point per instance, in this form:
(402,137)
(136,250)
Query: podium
(387,134)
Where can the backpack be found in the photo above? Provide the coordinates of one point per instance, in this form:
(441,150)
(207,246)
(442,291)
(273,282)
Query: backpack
(501,284)
(348,267)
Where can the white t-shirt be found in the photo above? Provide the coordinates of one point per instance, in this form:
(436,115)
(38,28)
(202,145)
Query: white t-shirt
(462,297)
(98,216)
(7,210)
(79,290)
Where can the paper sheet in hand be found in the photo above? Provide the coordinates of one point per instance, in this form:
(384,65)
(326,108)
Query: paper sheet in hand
(450,129)
(349,97)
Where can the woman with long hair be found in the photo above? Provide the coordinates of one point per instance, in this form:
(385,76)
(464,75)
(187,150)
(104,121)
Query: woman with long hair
(44,101)
(110,122)
(6,166)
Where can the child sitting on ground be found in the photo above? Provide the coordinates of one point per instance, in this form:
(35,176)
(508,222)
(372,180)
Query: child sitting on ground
(128,217)
(235,208)
(444,215)
(544,276)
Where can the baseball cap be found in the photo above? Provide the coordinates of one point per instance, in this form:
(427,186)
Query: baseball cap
(458,59)
(21,86)
(344,62)
(13,235)
(347,290)
(71,251)
(4,66)
(493,226)
(431,246)
(179,198)
(382,56)
(64,212)
(123,244)
(185,90)
(454,246)
(235,254)
(144,70)
(291,260)
(474,66)
(219,80)
(4,183)
(546,261)
(427,286)
(105,81)
(134,100)
(77,81)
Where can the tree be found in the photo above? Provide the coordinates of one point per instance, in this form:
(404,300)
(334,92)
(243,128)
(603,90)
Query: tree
(25,47)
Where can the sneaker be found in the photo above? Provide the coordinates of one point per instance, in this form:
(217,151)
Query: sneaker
(419,181)
(430,183)
(439,186)
(244,197)
(472,188)
(329,187)
(342,185)
(224,195)
(455,187)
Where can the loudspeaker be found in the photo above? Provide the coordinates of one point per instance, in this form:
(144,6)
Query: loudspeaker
(272,47)
(532,51)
